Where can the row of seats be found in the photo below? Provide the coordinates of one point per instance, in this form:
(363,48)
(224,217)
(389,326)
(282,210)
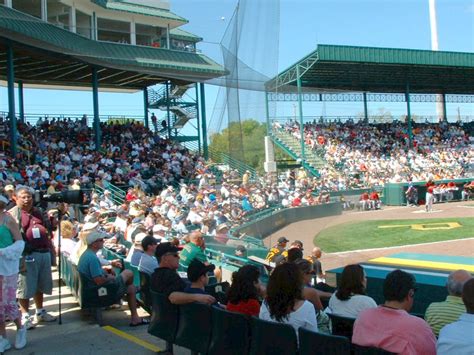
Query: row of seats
(93,299)
(214,331)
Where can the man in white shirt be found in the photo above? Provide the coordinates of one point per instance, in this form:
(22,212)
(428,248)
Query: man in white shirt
(458,338)
(148,262)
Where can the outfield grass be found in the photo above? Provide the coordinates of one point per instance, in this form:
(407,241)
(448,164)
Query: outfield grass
(366,234)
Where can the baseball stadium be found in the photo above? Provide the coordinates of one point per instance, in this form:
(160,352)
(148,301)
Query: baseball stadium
(206,178)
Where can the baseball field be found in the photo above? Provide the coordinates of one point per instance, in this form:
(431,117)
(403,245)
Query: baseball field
(390,233)
(355,236)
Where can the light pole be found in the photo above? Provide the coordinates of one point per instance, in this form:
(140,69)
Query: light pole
(440,108)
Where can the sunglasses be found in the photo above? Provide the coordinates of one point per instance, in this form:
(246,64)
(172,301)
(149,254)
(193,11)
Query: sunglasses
(176,255)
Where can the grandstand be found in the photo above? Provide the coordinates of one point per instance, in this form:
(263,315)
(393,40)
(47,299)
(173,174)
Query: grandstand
(154,179)
(368,74)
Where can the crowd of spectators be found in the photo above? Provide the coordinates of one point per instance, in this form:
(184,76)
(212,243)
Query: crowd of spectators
(173,199)
(359,153)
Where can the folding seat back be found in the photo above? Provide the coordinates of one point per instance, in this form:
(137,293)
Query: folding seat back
(230,333)
(312,343)
(342,326)
(164,317)
(194,327)
(272,338)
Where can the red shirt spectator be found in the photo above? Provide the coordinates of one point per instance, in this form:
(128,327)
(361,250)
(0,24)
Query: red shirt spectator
(250,307)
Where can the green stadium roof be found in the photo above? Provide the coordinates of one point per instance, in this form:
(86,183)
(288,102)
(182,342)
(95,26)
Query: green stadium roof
(140,9)
(388,70)
(46,54)
(182,34)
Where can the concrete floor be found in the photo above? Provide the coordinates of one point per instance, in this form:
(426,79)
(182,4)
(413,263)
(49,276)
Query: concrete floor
(78,334)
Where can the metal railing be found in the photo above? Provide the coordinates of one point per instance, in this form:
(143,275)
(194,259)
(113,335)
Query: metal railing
(118,195)
(32,118)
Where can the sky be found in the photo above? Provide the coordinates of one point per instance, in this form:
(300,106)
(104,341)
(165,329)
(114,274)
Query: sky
(302,25)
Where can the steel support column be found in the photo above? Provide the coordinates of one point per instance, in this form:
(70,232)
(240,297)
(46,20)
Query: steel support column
(168,115)
(198,118)
(95,100)
(203,121)
(11,100)
(410,131)
(445,112)
(145,106)
(366,111)
(21,103)
(300,112)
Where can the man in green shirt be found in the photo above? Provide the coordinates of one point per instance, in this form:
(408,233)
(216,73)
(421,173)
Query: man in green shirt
(193,250)
(438,314)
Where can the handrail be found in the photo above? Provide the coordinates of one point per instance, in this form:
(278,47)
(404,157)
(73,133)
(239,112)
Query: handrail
(32,118)
(118,195)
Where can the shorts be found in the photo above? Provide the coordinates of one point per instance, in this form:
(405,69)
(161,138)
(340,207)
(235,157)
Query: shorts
(37,278)
(8,305)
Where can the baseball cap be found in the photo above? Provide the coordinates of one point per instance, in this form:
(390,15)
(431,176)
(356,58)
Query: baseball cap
(164,248)
(196,269)
(89,226)
(9,188)
(283,240)
(94,236)
(147,241)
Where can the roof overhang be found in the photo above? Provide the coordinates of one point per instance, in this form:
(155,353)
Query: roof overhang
(48,55)
(172,19)
(388,70)
(3,83)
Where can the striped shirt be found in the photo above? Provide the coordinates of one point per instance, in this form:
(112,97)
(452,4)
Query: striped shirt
(438,314)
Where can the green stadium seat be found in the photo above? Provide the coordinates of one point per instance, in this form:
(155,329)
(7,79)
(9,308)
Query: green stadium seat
(194,327)
(272,338)
(342,326)
(145,294)
(92,298)
(134,269)
(164,319)
(312,343)
(230,333)
(367,350)
(218,291)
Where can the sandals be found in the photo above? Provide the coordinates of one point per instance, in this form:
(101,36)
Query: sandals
(143,321)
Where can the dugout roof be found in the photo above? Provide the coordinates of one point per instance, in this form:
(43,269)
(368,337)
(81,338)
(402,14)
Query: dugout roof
(387,70)
(45,54)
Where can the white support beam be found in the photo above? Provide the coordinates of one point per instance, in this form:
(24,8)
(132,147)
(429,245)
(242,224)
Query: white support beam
(8,3)
(44,10)
(133,32)
(72,19)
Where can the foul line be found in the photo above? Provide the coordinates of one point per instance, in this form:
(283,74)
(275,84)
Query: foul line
(398,246)
(132,338)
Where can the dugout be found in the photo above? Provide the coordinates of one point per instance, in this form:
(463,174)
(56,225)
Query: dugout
(394,193)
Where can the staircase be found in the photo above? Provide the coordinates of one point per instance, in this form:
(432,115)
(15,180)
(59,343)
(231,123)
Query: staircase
(179,90)
(182,110)
(313,161)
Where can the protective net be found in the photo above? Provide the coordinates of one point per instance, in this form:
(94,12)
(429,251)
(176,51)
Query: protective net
(250,49)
